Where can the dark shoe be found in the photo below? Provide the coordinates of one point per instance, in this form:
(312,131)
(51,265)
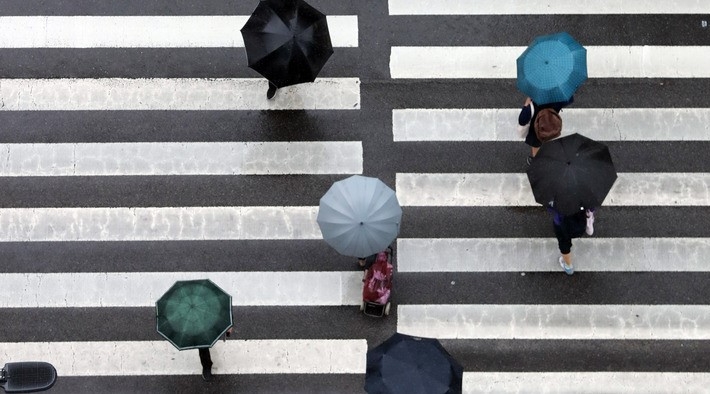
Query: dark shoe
(207,374)
(271,92)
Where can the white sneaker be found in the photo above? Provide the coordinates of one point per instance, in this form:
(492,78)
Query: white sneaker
(590,223)
(569,269)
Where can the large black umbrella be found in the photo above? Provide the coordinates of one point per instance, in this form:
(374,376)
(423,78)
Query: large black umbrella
(287,41)
(411,365)
(572,173)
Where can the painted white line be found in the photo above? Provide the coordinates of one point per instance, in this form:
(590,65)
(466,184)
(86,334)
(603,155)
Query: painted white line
(273,356)
(604,124)
(157,223)
(178,158)
(500,62)
(143,289)
(508,189)
(626,322)
(174,94)
(211,31)
(540,254)
(585,382)
(544,7)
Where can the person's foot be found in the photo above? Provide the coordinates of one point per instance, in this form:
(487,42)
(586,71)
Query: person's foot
(569,269)
(590,223)
(271,92)
(206,374)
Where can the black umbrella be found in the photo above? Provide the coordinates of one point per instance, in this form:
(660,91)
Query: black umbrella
(572,173)
(412,365)
(287,41)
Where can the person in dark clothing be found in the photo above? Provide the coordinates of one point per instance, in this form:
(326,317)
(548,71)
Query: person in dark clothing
(206,359)
(528,115)
(567,227)
(206,362)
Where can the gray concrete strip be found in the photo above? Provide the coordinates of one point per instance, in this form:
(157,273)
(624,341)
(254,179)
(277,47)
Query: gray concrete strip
(538,254)
(158,224)
(585,382)
(500,62)
(177,158)
(601,124)
(135,289)
(174,94)
(630,189)
(559,321)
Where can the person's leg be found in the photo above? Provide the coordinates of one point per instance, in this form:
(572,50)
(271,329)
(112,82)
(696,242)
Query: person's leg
(564,242)
(271,92)
(206,362)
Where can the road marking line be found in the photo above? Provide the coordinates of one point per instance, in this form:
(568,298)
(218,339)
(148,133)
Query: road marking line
(157,223)
(196,94)
(625,322)
(142,289)
(509,189)
(585,382)
(544,7)
(500,62)
(181,158)
(207,31)
(273,356)
(605,124)
(540,254)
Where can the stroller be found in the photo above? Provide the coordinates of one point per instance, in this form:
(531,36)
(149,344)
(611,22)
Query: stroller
(378,285)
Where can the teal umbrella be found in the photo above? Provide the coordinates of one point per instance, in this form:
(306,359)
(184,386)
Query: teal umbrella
(194,314)
(552,68)
(359,216)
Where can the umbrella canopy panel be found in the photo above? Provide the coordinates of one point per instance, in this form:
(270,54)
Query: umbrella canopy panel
(359,216)
(572,173)
(287,41)
(412,365)
(552,68)
(194,314)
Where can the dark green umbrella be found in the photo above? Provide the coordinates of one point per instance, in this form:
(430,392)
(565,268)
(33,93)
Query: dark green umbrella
(194,314)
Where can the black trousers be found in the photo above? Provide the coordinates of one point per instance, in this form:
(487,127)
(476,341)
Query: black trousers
(205,358)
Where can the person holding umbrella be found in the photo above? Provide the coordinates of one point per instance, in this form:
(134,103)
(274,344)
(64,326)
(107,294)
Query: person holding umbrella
(194,314)
(571,176)
(286,41)
(549,72)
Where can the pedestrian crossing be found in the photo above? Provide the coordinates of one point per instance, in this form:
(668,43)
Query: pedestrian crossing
(118,181)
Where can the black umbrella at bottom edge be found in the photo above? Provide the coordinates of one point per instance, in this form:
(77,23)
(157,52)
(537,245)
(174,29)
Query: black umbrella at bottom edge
(412,365)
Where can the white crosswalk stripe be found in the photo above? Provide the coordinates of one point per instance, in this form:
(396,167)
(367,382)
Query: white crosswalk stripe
(235,357)
(605,124)
(179,158)
(500,62)
(504,189)
(540,254)
(544,7)
(144,31)
(174,94)
(126,289)
(95,235)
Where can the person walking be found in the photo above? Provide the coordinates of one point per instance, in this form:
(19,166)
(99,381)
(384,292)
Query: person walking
(567,227)
(528,118)
(206,359)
